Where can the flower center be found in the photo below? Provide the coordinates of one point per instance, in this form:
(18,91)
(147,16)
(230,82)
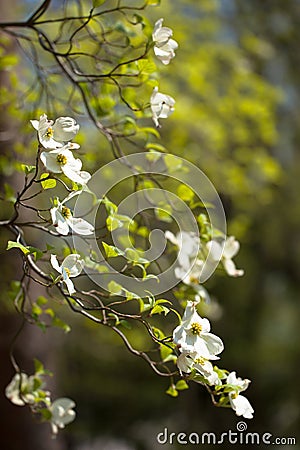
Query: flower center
(200,361)
(194,280)
(68,272)
(61,159)
(66,212)
(196,328)
(49,132)
(234,395)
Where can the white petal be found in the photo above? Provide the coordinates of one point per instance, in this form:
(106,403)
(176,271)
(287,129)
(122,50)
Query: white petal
(181,274)
(73,175)
(231,270)
(44,126)
(160,32)
(12,390)
(232,379)
(35,124)
(49,160)
(59,221)
(54,263)
(214,343)
(65,129)
(241,406)
(202,292)
(74,264)
(71,195)
(62,225)
(231,247)
(184,362)
(189,311)
(62,412)
(74,163)
(85,176)
(170,236)
(71,146)
(237,381)
(184,260)
(173,44)
(81,226)
(215,250)
(161,53)
(70,286)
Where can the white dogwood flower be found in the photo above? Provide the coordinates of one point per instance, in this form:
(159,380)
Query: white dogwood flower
(192,278)
(62,413)
(187,361)
(71,267)
(193,335)
(188,244)
(19,390)
(63,219)
(231,248)
(239,403)
(165,47)
(55,135)
(62,161)
(189,269)
(162,106)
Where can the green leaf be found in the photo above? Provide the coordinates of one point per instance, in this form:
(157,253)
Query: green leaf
(13,244)
(164,214)
(158,309)
(46,414)
(181,385)
(59,323)
(97,3)
(111,251)
(155,149)
(109,205)
(172,162)
(9,193)
(38,366)
(14,289)
(50,312)
(114,288)
(113,223)
(49,183)
(143,231)
(150,130)
(185,193)
(36,252)
(145,66)
(162,300)
(27,169)
(165,352)
(41,300)
(172,391)
(36,310)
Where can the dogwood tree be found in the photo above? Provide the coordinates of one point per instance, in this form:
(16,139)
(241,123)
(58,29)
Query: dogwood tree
(100,61)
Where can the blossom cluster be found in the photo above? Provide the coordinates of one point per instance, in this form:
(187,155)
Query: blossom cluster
(196,345)
(162,105)
(56,138)
(28,390)
(197,348)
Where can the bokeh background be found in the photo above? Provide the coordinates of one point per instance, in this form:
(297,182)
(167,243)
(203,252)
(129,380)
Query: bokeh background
(236,80)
